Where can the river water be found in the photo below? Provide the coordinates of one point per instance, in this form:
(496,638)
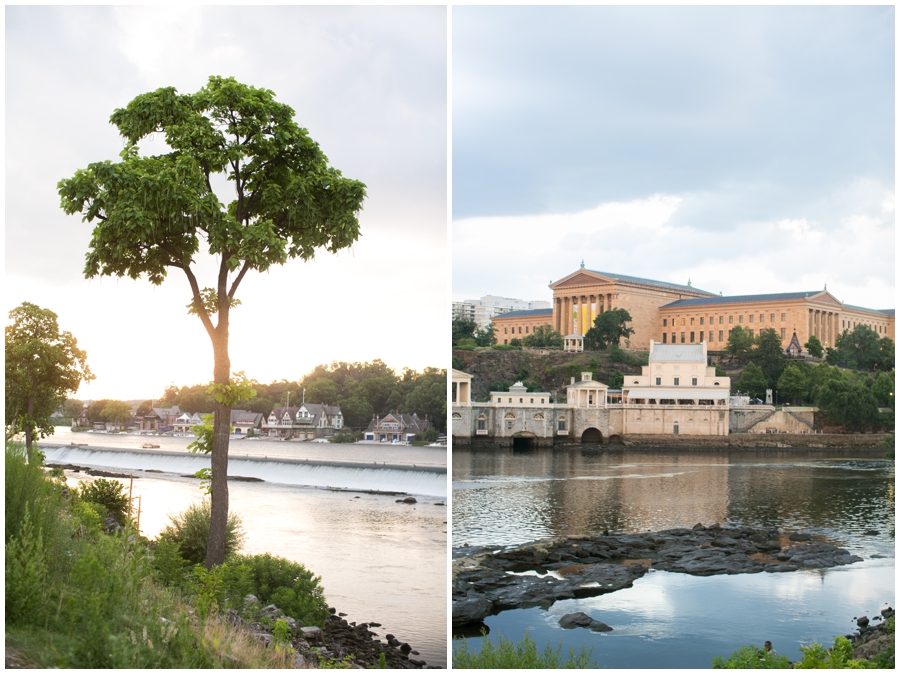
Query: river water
(379,560)
(669,620)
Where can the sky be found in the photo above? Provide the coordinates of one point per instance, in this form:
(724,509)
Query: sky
(748,149)
(370,86)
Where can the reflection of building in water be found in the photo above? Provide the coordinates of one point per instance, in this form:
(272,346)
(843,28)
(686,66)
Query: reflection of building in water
(676,394)
(681,314)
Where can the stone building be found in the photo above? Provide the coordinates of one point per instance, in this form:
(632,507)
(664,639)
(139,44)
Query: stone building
(678,393)
(670,313)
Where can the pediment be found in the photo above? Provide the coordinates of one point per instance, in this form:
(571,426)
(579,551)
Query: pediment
(580,279)
(826,298)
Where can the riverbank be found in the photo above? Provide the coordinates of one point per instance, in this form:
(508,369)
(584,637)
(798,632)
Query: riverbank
(837,441)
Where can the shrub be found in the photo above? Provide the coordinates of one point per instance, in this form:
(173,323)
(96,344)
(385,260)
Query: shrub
(26,568)
(190,530)
(751,657)
(524,655)
(290,586)
(346,437)
(110,494)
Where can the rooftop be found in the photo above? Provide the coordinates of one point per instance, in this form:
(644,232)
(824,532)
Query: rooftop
(647,281)
(674,353)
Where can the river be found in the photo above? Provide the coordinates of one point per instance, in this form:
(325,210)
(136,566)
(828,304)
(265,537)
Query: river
(379,560)
(669,620)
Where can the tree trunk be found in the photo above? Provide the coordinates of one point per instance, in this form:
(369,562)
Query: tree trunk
(29,423)
(215,548)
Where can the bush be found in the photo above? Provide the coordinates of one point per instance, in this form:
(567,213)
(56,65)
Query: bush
(110,494)
(346,437)
(26,567)
(504,347)
(190,530)
(507,655)
(751,657)
(290,586)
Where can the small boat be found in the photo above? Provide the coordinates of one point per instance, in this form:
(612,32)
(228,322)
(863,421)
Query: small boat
(149,445)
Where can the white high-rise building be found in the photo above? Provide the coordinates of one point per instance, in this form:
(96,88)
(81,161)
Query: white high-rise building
(481,311)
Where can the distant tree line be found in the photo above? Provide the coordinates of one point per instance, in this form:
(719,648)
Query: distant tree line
(361,390)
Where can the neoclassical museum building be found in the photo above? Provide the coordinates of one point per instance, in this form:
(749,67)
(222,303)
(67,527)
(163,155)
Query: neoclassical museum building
(669,313)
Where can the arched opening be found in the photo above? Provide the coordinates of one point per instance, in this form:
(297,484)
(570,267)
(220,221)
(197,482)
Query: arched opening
(591,436)
(615,440)
(524,442)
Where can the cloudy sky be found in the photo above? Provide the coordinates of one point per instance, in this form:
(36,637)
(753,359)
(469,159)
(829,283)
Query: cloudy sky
(370,85)
(749,149)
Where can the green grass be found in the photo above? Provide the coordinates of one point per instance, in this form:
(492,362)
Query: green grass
(524,655)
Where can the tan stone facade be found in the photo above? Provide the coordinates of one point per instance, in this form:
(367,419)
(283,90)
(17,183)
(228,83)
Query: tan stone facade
(670,313)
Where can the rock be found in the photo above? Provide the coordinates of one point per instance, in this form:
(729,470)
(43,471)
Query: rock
(862,622)
(263,637)
(471,610)
(699,527)
(799,537)
(408,499)
(871,532)
(579,619)
(250,599)
(312,634)
(887,612)
(405,648)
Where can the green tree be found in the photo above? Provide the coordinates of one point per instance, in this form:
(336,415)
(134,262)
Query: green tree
(752,381)
(321,391)
(116,412)
(886,354)
(154,213)
(43,365)
(485,337)
(814,347)
(616,379)
(883,389)
(144,408)
(793,383)
(609,328)
(740,344)
(769,355)
(429,398)
(462,329)
(848,401)
(544,337)
(73,408)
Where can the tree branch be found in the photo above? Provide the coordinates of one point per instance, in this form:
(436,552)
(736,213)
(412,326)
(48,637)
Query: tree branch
(198,304)
(237,281)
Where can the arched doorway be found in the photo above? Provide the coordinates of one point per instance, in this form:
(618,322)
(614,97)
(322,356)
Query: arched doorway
(524,441)
(591,436)
(615,440)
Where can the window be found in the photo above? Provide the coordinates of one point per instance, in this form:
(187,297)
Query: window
(520,329)
(730,320)
(682,338)
(504,341)
(664,321)
(664,338)
(710,335)
(721,335)
(783,331)
(520,401)
(659,381)
(750,330)
(740,319)
(481,422)
(504,331)
(526,329)
(783,316)
(692,337)
(751,318)
(701,320)
(562,424)
(771,318)
(673,338)
(721,318)
(677,379)
(692,320)
(693,381)
(701,335)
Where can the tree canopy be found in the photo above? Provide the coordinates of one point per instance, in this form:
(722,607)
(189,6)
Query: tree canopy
(752,381)
(544,336)
(609,328)
(153,213)
(862,349)
(814,347)
(740,343)
(43,365)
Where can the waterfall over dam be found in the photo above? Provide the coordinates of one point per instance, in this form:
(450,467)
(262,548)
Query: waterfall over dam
(412,479)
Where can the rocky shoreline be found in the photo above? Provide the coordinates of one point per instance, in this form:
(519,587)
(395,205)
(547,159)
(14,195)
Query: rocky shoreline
(487,581)
(356,645)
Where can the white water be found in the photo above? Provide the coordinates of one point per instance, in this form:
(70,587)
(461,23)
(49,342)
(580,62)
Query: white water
(427,481)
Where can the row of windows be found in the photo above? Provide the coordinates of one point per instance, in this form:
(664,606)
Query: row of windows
(849,325)
(711,338)
(513,330)
(677,381)
(712,319)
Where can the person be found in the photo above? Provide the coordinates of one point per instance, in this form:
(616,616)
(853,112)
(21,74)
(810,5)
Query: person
(769,649)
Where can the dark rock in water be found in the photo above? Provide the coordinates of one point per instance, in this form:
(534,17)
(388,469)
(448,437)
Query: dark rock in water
(408,499)
(799,537)
(579,619)
(870,532)
(471,609)
(887,612)
(405,648)
(241,478)
(699,527)
(487,580)
(862,622)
